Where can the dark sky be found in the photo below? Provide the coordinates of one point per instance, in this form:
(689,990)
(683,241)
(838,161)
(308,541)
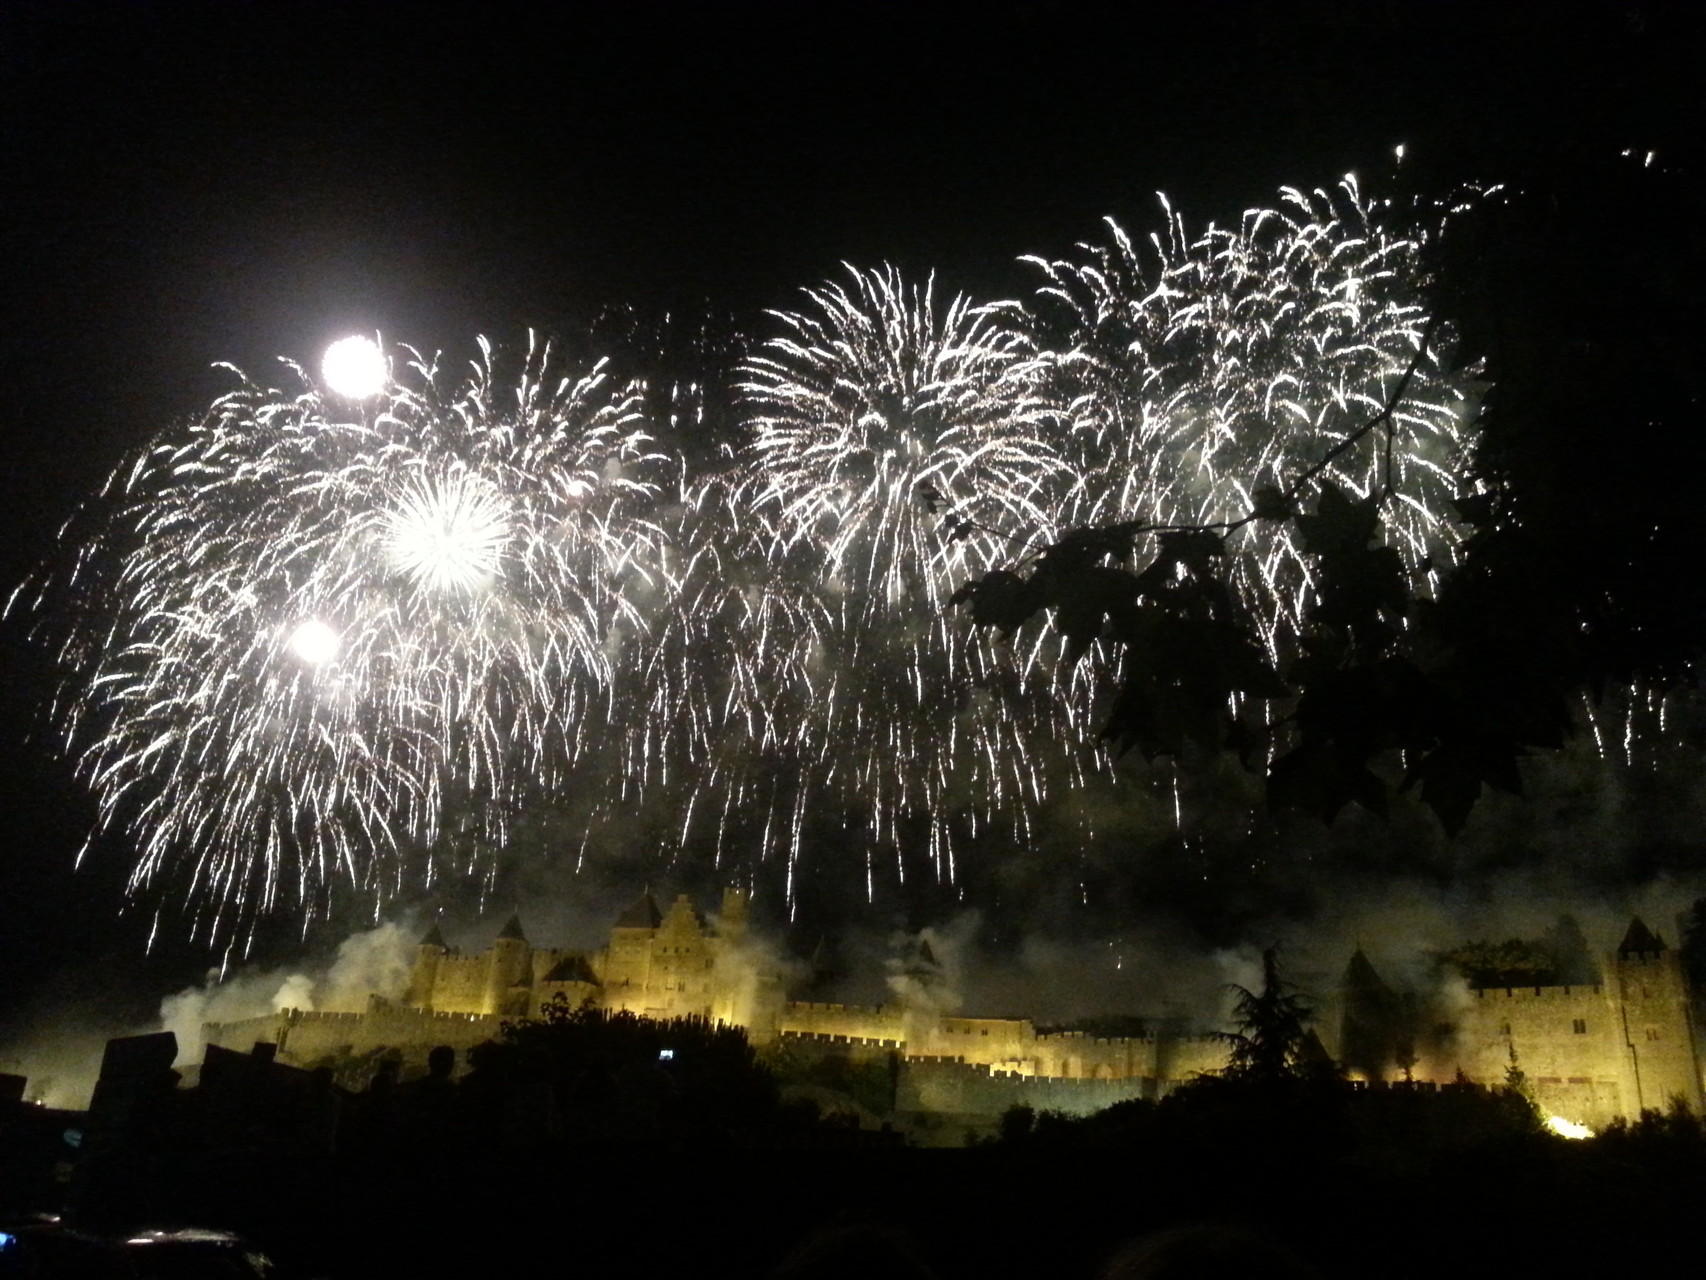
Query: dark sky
(185,183)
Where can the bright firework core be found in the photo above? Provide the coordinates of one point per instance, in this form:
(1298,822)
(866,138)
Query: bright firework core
(355,367)
(448,533)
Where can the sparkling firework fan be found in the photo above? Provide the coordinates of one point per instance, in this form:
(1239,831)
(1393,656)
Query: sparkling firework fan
(873,397)
(1239,358)
(309,629)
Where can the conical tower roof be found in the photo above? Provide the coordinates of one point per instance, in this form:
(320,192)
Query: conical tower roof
(1640,940)
(644,914)
(572,968)
(435,938)
(512,931)
(1361,977)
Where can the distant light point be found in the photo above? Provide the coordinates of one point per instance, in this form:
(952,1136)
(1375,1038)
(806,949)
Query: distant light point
(355,368)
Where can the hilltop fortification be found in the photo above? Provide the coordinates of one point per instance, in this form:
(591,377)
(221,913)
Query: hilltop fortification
(1591,1051)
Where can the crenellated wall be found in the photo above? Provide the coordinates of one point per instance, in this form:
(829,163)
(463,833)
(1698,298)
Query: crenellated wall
(1590,1053)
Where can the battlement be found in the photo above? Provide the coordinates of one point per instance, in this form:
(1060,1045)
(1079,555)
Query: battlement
(1541,993)
(1080,1038)
(826,1037)
(319,1015)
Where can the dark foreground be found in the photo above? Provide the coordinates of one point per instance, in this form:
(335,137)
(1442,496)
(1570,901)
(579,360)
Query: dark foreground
(1534,1205)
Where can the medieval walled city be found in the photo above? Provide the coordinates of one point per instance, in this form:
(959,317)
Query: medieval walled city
(1618,1039)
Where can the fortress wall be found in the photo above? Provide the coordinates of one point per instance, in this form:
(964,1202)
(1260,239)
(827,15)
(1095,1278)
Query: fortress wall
(627,962)
(1074,1055)
(857,1047)
(852,1021)
(1556,1031)
(242,1035)
(985,1040)
(1182,1058)
(305,1038)
(681,973)
(461,984)
(1568,1042)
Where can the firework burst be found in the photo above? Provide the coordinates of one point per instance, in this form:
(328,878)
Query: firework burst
(873,396)
(1238,358)
(309,628)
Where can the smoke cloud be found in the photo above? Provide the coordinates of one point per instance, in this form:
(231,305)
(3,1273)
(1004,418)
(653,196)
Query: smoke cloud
(374,962)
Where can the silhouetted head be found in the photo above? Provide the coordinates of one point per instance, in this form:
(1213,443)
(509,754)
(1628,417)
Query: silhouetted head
(1206,1251)
(855,1253)
(441,1062)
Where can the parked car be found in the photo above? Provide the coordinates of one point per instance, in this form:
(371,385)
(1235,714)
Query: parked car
(45,1248)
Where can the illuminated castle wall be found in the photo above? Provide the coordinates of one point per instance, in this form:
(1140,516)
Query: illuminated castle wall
(1591,1052)
(666,965)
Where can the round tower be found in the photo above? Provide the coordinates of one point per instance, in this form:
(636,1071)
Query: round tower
(1657,1025)
(423,978)
(509,967)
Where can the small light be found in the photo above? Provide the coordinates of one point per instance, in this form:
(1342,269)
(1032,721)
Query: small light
(666,1055)
(355,368)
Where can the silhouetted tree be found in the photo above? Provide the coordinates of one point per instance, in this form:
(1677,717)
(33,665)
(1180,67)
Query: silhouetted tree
(1516,1081)
(1272,1039)
(1418,680)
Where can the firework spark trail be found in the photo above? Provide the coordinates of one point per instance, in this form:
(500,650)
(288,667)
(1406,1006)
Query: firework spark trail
(1238,359)
(872,395)
(324,625)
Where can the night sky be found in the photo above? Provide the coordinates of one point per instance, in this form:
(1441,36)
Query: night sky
(184,183)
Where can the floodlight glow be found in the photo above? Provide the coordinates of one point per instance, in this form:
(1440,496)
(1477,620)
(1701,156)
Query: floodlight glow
(1567,1128)
(355,367)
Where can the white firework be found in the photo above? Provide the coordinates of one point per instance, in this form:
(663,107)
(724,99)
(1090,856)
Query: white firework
(310,631)
(1239,358)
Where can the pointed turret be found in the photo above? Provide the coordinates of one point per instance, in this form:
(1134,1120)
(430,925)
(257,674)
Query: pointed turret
(423,978)
(1640,940)
(1361,979)
(509,971)
(644,914)
(1372,1022)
